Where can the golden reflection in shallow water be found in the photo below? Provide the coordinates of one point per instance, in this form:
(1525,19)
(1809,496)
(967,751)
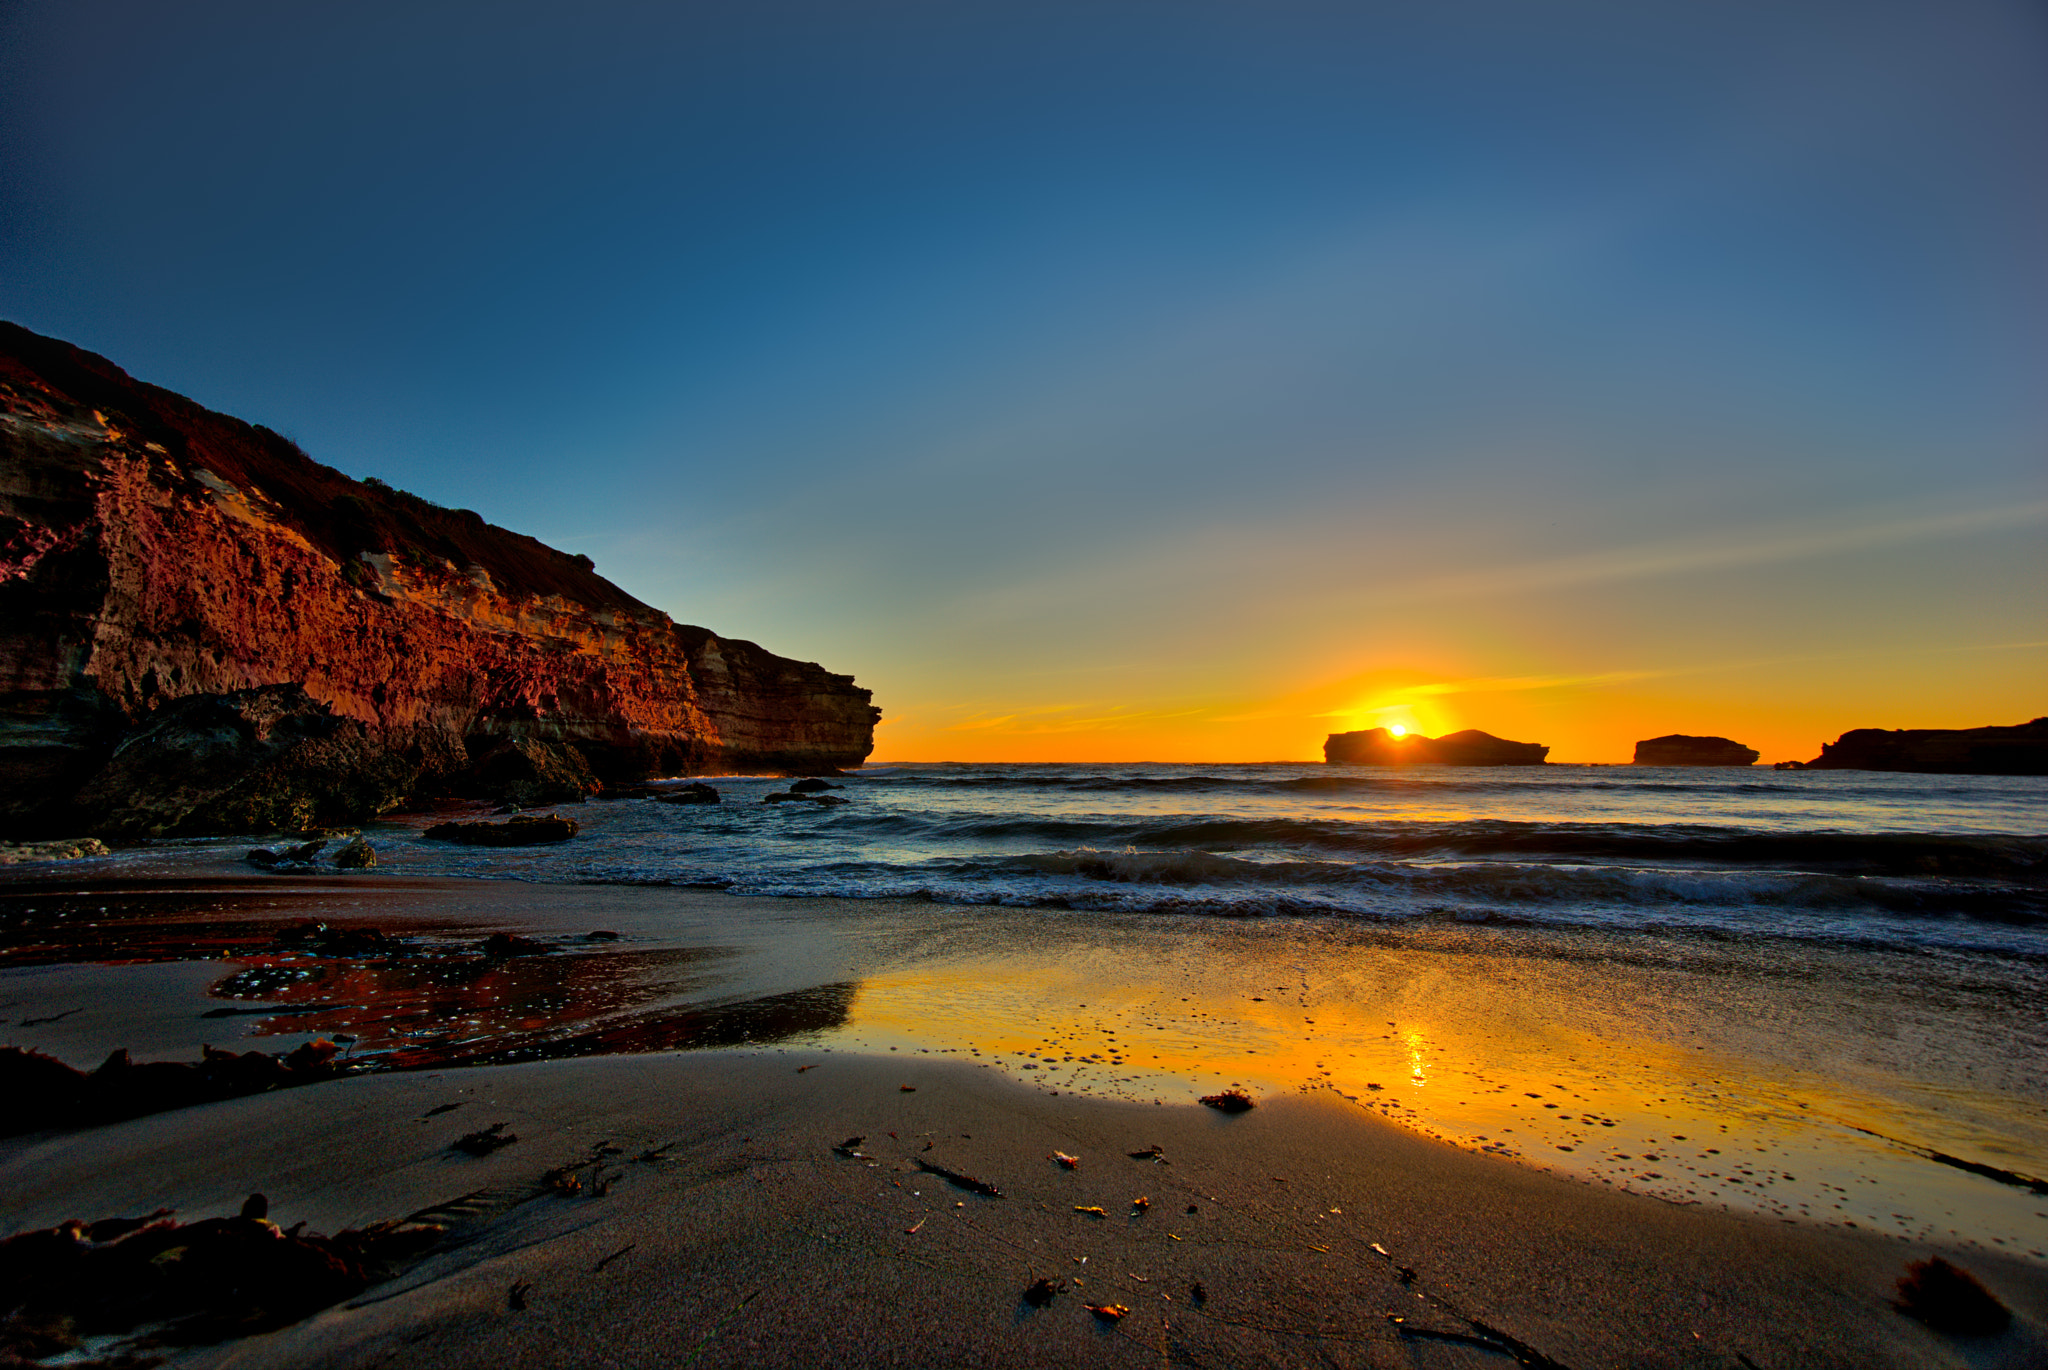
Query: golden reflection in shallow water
(1596,1072)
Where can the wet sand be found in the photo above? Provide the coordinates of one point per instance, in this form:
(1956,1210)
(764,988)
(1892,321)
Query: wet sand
(1026,1032)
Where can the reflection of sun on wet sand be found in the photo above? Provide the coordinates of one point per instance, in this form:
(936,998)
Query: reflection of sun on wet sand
(1545,1061)
(692,1206)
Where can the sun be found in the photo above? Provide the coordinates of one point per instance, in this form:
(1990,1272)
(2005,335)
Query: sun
(1398,729)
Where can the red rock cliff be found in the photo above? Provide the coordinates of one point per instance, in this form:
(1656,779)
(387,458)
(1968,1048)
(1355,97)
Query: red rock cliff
(152,550)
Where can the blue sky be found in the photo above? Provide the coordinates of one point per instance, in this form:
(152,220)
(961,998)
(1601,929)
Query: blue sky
(1134,379)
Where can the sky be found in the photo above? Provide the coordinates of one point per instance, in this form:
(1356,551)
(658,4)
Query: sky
(1167,380)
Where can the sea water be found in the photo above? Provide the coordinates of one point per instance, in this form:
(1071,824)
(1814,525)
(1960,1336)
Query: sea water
(1842,857)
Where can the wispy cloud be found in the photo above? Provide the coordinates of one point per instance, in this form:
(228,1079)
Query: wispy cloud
(1752,549)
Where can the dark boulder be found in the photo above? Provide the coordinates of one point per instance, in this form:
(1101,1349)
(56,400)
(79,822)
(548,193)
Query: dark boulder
(300,857)
(358,855)
(1378,747)
(526,830)
(2019,750)
(813,785)
(1678,749)
(526,772)
(696,792)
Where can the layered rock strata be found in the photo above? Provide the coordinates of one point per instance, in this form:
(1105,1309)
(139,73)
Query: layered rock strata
(2017,750)
(1379,747)
(1679,749)
(203,630)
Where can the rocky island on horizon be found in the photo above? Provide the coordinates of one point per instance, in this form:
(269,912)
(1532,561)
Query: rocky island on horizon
(1381,747)
(1681,749)
(202,630)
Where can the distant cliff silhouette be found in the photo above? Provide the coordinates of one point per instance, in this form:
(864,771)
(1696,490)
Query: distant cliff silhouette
(2019,750)
(1378,747)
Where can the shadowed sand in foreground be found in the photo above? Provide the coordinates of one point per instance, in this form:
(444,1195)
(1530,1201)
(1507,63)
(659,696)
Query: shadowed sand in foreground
(731,1231)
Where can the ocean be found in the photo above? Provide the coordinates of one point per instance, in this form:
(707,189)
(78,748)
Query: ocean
(1843,857)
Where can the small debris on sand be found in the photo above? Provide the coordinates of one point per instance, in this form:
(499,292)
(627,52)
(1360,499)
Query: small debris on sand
(1108,1312)
(1040,1294)
(515,1297)
(907,1089)
(1095,1212)
(1229,1101)
(1150,1153)
(483,1143)
(1066,1162)
(1948,1298)
(1141,1203)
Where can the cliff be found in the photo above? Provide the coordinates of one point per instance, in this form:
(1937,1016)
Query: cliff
(2019,750)
(1678,749)
(1378,747)
(173,578)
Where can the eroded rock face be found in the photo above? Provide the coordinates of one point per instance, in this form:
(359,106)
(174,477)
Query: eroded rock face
(154,553)
(1378,747)
(2020,750)
(271,759)
(1679,749)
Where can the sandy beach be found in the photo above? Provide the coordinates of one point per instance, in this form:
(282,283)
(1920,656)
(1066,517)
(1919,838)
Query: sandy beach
(714,1223)
(733,1233)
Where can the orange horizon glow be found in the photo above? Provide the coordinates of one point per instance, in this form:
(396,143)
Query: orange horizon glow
(1592,718)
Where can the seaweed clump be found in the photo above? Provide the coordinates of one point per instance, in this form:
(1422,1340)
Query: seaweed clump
(1948,1298)
(185,1284)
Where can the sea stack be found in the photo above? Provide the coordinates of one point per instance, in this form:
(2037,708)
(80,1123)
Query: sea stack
(204,630)
(1679,749)
(1378,747)
(2017,750)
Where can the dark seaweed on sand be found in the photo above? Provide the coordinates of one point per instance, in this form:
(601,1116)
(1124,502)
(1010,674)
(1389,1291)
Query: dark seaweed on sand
(1229,1101)
(484,1142)
(190,1283)
(1948,1298)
